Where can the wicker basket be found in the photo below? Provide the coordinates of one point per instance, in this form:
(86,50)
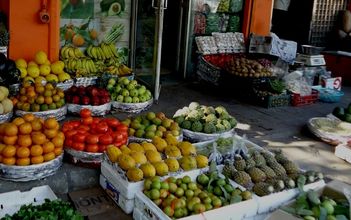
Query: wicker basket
(99,110)
(85,81)
(6,117)
(59,114)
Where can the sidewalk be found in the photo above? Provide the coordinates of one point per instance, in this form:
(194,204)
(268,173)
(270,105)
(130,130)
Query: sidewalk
(277,127)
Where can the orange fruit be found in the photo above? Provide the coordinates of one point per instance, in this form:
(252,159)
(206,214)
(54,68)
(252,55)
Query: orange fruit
(9,151)
(23,152)
(78,40)
(9,161)
(25,128)
(48,100)
(11,129)
(50,133)
(2,128)
(93,34)
(23,99)
(51,123)
(23,161)
(57,141)
(24,140)
(31,94)
(49,156)
(69,34)
(61,94)
(29,117)
(37,159)
(36,150)
(18,121)
(22,91)
(2,146)
(39,88)
(61,135)
(30,89)
(36,125)
(10,140)
(38,138)
(58,151)
(48,147)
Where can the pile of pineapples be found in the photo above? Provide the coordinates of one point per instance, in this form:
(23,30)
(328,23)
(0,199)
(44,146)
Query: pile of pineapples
(265,172)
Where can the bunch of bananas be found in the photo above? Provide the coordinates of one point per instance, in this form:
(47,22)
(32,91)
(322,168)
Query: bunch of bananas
(102,52)
(120,70)
(68,52)
(81,67)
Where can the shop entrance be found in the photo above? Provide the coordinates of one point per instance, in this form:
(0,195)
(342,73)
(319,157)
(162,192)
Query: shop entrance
(145,37)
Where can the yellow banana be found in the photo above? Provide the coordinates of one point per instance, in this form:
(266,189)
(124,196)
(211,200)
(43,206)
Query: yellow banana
(89,51)
(62,52)
(101,53)
(94,53)
(113,49)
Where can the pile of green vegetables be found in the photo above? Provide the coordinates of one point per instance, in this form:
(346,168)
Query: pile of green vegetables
(49,210)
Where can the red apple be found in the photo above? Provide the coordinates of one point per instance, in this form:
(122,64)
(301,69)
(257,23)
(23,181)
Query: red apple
(76,100)
(85,100)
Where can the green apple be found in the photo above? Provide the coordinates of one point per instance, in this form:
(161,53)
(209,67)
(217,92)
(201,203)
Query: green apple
(128,99)
(120,98)
(111,82)
(125,81)
(135,99)
(118,88)
(141,90)
(134,82)
(133,92)
(125,92)
(109,87)
(130,86)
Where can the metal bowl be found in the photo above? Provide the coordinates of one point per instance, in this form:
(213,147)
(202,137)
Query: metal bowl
(311,50)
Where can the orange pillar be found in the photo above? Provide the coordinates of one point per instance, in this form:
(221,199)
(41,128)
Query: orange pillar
(257,17)
(28,34)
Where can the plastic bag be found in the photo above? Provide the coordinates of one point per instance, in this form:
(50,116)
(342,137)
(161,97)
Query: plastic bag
(296,83)
(223,6)
(212,23)
(215,155)
(280,69)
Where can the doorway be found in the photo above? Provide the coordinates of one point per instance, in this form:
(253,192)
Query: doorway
(145,33)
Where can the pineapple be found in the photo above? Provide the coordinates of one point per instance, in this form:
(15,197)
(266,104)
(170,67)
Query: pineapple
(263,189)
(256,174)
(250,162)
(239,163)
(228,170)
(290,167)
(268,157)
(242,178)
(259,159)
(269,172)
(278,169)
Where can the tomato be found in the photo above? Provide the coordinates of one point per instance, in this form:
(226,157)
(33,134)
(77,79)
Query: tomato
(96,120)
(85,113)
(70,134)
(105,139)
(66,127)
(79,138)
(87,121)
(119,137)
(112,122)
(101,128)
(68,142)
(125,134)
(78,146)
(102,148)
(93,148)
(74,123)
(92,139)
(122,127)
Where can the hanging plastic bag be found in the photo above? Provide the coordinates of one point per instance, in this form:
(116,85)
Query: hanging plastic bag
(223,6)
(233,24)
(215,155)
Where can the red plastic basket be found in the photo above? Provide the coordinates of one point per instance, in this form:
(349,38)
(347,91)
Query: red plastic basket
(298,100)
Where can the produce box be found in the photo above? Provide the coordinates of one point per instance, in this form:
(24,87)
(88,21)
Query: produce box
(129,189)
(286,50)
(298,100)
(240,210)
(126,205)
(208,72)
(343,151)
(271,101)
(333,190)
(275,200)
(11,202)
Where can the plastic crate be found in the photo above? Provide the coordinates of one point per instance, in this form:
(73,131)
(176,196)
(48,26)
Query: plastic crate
(330,95)
(208,72)
(298,100)
(272,101)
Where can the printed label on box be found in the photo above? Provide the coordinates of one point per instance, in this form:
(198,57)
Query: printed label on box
(332,83)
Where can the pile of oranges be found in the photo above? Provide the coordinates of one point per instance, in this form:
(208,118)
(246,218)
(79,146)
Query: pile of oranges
(37,97)
(30,140)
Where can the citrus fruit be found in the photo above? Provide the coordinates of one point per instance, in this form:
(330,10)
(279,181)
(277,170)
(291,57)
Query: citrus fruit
(33,71)
(36,125)
(37,159)
(44,70)
(48,147)
(58,141)
(36,150)
(25,128)
(38,138)
(10,140)
(49,156)
(23,152)
(11,129)
(135,174)
(18,121)
(9,151)
(40,57)
(21,63)
(23,72)
(28,117)
(24,140)
(51,123)
(32,63)
(23,161)
(9,161)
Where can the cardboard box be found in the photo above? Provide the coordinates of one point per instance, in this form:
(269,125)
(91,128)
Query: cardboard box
(332,83)
(333,190)
(11,202)
(272,45)
(94,204)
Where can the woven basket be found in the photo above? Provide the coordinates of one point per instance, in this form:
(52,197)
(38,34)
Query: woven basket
(6,117)
(99,110)
(59,114)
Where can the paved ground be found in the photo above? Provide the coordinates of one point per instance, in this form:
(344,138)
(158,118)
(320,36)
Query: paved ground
(275,128)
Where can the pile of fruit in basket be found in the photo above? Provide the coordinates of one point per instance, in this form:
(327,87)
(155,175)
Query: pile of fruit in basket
(41,69)
(9,73)
(29,140)
(128,91)
(205,119)
(6,104)
(159,157)
(181,197)
(94,134)
(90,95)
(38,97)
(244,67)
(343,114)
(266,173)
(152,124)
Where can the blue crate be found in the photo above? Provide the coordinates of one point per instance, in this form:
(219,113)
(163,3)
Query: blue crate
(330,95)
